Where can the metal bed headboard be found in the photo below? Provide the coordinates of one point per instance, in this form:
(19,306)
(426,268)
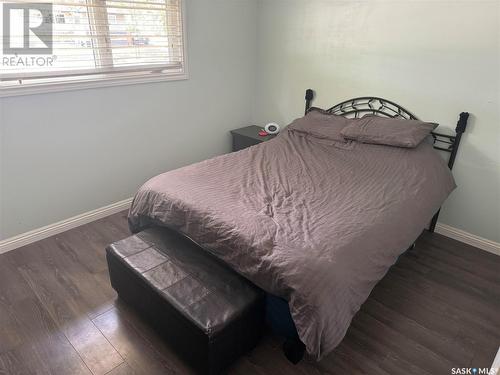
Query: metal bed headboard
(358,107)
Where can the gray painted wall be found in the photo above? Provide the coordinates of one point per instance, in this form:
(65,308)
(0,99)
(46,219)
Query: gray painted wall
(435,58)
(66,153)
(2,121)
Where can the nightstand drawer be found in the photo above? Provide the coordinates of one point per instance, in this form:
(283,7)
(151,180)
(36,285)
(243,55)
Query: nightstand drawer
(240,142)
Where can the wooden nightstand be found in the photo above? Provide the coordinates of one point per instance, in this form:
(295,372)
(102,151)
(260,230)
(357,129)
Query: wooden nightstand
(248,136)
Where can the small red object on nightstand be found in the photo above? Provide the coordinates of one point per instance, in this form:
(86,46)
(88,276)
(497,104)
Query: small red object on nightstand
(263,133)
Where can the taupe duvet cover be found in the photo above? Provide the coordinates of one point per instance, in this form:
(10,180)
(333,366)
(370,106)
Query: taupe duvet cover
(314,221)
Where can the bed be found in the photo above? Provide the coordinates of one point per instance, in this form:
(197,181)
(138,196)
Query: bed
(314,222)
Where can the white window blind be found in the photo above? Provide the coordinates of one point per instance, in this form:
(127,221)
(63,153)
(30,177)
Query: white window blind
(99,39)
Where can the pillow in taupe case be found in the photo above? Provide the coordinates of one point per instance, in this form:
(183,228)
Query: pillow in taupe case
(321,124)
(388,131)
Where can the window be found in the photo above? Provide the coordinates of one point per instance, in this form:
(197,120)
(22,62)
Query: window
(90,41)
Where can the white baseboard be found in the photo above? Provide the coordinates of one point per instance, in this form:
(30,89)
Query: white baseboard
(468,238)
(75,221)
(61,226)
(495,367)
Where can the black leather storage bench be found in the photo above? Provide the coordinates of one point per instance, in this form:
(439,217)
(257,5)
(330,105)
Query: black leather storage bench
(210,314)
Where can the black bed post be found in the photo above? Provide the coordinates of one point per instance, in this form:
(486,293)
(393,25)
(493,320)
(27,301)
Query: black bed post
(309,98)
(460,129)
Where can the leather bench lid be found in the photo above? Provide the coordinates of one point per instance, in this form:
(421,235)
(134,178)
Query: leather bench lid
(203,289)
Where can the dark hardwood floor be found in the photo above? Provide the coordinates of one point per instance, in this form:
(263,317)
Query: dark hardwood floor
(437,308)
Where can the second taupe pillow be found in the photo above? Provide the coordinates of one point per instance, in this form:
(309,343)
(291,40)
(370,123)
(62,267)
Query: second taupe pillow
(388,131)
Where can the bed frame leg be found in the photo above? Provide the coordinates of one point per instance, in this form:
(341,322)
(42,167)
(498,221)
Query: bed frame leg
(432,225)
(294,350)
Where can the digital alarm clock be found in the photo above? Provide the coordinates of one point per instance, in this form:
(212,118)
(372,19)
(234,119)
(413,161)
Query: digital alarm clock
(272,128)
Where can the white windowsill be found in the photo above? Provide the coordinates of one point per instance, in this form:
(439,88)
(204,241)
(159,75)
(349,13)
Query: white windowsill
(84,84)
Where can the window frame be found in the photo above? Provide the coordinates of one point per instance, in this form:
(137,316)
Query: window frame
(49,85)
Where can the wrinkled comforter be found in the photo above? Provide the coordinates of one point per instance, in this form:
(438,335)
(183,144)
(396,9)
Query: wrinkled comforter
(314,221)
